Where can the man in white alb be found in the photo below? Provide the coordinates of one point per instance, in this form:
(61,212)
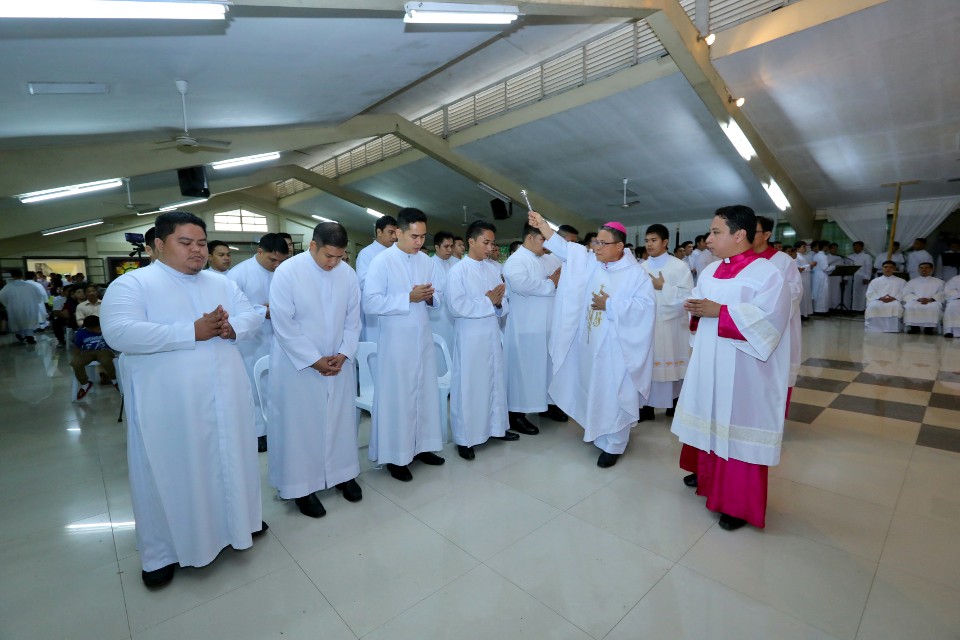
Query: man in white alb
(803,266)
(861,279)
(951,311)
(884,301)
(917,257)
(896,257)
(386,235)
(220,258)
(923,301)
(440,319)
(822,268)
(20,299)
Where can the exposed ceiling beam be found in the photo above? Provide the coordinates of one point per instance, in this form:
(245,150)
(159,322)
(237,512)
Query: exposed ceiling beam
(617,8)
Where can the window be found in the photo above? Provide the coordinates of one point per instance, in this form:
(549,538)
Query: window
(239,220)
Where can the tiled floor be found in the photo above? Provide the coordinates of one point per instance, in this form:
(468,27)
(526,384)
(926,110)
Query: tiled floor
(529,540)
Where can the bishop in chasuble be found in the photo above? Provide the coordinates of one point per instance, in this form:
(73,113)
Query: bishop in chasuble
(731,410)
(601,342)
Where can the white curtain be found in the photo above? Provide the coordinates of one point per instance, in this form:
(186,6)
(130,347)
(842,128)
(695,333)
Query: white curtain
(867,223)
(919,218)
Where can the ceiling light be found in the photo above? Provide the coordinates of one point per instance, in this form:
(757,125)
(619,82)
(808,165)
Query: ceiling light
(789,233)
(110,9)
(710,38)
(737,101)
(233,248)
(66,88)
(148,213)
(185,203)
(239,162)
(776,194)
(739,140)
(493,192)
(374,213)
(322,219)
(72,190)
(71,227)
(450,13)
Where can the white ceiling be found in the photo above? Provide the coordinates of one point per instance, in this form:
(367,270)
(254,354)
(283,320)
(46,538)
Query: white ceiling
(870,98)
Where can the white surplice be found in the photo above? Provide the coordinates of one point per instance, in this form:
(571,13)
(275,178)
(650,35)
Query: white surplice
(194,476)
(735,393)
(791,276)
(20,299)
(703,260)
(821,282)
(897,258)
(406,398)
(915,259)
(858,292)
(917,314)
(440,319)
(951,311)
(313,424)
(254,281)
(527,334)
(882,316)
(806,302)
(602,360)
(671,334)
(478,386)
(368,322)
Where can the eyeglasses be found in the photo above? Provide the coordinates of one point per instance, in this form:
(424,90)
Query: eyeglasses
(601,243)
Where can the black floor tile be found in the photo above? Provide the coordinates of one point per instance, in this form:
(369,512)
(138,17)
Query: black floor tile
(945,401)
(884,408)
(939,438)
(821,384)
(827,363)
(915,384)
(949,376)
(805,413)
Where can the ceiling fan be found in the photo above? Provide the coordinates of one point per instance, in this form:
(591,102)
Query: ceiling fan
(130,205)
(185,142)
(625,204)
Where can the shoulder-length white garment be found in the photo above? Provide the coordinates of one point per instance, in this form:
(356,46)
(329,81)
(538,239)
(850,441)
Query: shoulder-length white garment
(368,322)
(882,287)
(671,347)
(194,477)
(916,313)
(254,281)
(821,285)
(859,290)
(406,395)
(735,393)
(602,361)
(20,299)
(478,386)
(313,423)
(527,333)
(791,276)
(806,301)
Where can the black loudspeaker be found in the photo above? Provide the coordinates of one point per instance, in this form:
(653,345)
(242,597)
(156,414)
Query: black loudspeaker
(193,182)
(500,210)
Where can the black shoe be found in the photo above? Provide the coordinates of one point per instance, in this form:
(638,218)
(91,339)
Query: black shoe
(646,413)
(20,338)
(158,577)
(428,457)
(508,436)
(309,505)
(948,335)
(928,331)
(30,340)
(913,330)
(261,444)
(400,472)
(520,424)
(351,491)
(466,452)
(690,480)
(729,523)
(607,459)
(263,529)
(554,413)
(672,410)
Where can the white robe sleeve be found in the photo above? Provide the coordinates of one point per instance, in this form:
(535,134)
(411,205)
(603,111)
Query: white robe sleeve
(764,319)
(462,305)
(244,319)
(351,324)
(125,326)
(673,294)
(286,329)
(910,293)
(376,298)
(520,282)
(633,317)
(239,277)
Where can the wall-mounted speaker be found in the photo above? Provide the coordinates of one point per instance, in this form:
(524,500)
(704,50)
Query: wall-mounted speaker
(500,209)
(193,182)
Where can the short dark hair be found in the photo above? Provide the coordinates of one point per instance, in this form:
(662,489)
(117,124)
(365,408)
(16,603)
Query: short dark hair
(273,243)
(698,239)
(925,262)
(409,216)
(515,245)
(16,273)
(857,242)
(285,235)
(440,236)
(168,221)
(330,234)
(213,244)
(589,237)
(150,236)
(385,221)
(896,244)
(529,230)
(659,230)
(91,322)
(455,238)
(886,262)
(685,243)
(618,236)
(833,244)
(765,223)
(31,275)
(739,216)
(798,244)
(477,227)
(923,240)
(566,228)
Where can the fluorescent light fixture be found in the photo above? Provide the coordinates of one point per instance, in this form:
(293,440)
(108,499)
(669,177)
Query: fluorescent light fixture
(148,213)
(239,162)
(493,192)
(735,134)
(113,9)
(71,227)
(789,233)
(455,13)
(233,248)
(185,203)
(66,88)
(102,526)
(72,190)
(373,212)
(776,194)
(322,219)
(74,429)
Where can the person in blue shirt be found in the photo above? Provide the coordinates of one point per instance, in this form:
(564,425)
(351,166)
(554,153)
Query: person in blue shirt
(91,347)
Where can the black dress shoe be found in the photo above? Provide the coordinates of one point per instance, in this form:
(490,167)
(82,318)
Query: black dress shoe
(690,480)
(261,444)
(607,459)
(158,577)
(508,436)
(351,491)
(30,340)
(520,424)
(948,335)
(729,523)
(428,457)
(466,452)
(309,505)
(928,331)
(263,529)
(672,410)
(646,413)
(913,330)
(554,413)
(400,472)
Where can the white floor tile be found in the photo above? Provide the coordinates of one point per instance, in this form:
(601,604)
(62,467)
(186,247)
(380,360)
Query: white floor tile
(923,547)
(930,488)
(71,502)
(905,606)
(429,483)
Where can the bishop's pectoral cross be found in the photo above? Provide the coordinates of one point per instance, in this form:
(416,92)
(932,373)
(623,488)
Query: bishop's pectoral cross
(594,316)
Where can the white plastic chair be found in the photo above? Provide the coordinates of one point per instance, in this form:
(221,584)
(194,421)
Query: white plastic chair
(364,399)
(261,367)
(443,383)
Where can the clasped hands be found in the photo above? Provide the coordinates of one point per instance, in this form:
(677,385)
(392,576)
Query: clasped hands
(702,307)
(496,294)
(330,365)
(215,324)
(421,292)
